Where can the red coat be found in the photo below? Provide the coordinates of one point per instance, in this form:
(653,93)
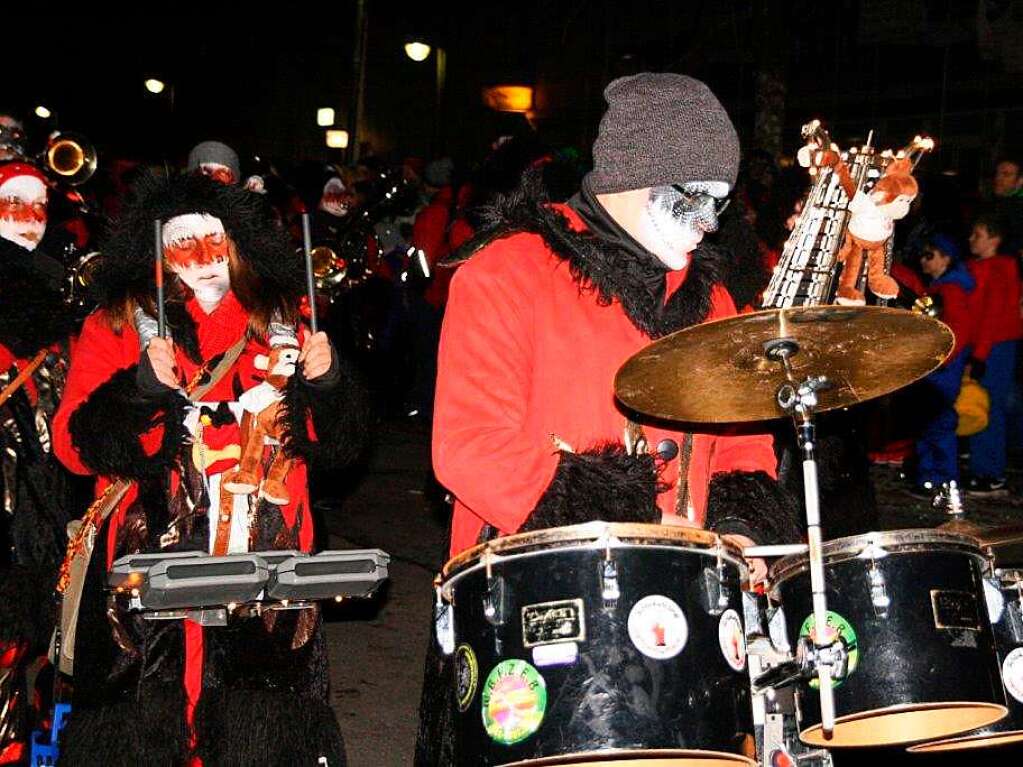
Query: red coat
(995,303)
(526,354)
(100,353)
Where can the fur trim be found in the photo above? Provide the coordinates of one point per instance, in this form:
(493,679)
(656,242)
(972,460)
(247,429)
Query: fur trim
(183,330)
(27,605)
(605,483)
(148,729)
(32,315)
(611,270)
(126,268)
(754,505)
(340,417)
(744,274)
(105,428)
(242,727)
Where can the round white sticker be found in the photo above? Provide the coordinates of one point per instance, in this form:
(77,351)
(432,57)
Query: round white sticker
(732,640)
(1012,673)
(779,630)
(658,627)
(995,601)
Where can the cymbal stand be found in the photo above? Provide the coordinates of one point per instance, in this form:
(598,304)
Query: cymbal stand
(799,399)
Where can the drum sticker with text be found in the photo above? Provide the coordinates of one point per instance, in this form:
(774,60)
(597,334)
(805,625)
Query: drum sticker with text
(837,628)
(553,622)
(658,627)
(1012,673)
(514,701)
(732,640)
(466,676)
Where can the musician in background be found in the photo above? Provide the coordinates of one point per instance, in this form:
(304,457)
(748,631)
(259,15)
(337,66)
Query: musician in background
(190,477)
(527,433)
(216,160)
(35,494)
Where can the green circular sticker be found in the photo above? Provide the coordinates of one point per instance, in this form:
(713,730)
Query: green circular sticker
(836,627)
(514,701)
(466,675)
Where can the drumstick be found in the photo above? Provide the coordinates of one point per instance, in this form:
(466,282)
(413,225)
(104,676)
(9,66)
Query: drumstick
(161,317)
(310,283)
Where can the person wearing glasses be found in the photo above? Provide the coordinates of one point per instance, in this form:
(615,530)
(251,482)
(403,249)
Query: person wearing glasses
(527,433)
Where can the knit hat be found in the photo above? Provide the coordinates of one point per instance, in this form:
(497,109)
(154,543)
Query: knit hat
(217,153)
(13,169)
(945,244)
(662,128)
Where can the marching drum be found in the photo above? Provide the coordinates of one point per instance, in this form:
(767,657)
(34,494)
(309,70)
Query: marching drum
(598,644)
(1005,605)
(917,659)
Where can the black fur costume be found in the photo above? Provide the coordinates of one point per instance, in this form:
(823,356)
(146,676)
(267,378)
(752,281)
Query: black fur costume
(606,483)
(264,689)
(36,493)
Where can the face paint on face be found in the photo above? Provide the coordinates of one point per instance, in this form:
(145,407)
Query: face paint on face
(336,199)
(677,217)
(219,173)
(23,211)
(196,248)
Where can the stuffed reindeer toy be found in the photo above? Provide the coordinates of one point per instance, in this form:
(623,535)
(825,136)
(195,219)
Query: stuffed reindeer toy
(872,217)
(261,425)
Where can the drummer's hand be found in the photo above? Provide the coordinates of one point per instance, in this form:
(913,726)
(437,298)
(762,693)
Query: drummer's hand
(161,358)
(674,520)
(757,566)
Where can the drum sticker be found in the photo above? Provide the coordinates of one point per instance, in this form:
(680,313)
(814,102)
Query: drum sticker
(467,676)
(837,628)
(553,622)
(955,610)
(732,640)
(559,654)
(995,601)
(658,627)
(514,700)
(1012,673)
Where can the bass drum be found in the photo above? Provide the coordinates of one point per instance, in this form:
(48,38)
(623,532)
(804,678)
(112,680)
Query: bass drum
(599,644)
(1005,605)
(908,608)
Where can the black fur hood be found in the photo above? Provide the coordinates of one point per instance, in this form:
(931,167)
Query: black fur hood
(615,272)
(32,313)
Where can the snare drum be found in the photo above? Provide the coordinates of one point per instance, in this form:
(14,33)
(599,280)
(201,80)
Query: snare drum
(599,644)
(1005,605)
(908,608)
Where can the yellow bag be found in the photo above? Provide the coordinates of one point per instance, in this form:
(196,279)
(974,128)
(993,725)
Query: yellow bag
(973,405)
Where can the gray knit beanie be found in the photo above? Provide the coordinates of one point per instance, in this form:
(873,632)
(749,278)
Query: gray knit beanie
(215,152)
(662,128)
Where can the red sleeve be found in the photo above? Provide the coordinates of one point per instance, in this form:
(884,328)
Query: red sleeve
(95,357)
(430,231)
(481,450)
(955,312)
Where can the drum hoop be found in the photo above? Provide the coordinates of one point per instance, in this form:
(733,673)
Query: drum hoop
(892,541)
(592,532)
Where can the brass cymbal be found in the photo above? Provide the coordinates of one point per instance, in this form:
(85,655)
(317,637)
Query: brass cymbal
(986,535)
(720,371)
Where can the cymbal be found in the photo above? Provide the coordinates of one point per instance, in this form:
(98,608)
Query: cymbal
(720,372)
(986,535)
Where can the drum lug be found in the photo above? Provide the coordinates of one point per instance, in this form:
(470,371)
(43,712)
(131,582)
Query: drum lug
(609,590)
(878,591)
(444,625)
(715,591)
(495,601)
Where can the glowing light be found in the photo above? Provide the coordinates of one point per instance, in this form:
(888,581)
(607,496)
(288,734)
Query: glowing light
(509,98)
(417,51)
(155,86)
(337,139)
(42,112)
(325,117)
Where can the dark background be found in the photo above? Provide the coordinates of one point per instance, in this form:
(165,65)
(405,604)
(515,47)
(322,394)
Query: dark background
(952,68)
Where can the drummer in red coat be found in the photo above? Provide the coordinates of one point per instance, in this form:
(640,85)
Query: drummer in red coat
(527,431)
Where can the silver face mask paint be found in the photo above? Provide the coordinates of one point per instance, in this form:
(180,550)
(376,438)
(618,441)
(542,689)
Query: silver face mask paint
(678,215)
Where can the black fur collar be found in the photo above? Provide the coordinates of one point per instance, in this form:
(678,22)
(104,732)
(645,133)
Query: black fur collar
(32,313)
(609,268)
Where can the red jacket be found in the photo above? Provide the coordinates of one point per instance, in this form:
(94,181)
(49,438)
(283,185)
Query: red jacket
(525,353)
(100,353)
(995,303)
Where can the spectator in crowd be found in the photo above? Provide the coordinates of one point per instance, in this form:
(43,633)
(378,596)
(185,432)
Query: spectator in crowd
(996,312)
(1007,186)
(216,160)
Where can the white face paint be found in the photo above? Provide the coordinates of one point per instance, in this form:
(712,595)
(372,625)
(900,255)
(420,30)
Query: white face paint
(676,219)
(196,249)
(23,211)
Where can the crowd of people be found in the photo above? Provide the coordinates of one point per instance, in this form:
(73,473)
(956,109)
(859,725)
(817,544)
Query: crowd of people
(494,301)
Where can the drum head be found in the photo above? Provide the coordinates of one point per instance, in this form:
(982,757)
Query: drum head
(631,758)
(989,740)
(908,723)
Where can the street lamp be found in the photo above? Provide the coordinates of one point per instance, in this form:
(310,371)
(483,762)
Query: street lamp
(43,113)
(325,117)
(154,85)
(417,50)
(337,139)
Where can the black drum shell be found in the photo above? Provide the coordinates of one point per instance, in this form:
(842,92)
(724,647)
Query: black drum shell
(904,658)
(612,696)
